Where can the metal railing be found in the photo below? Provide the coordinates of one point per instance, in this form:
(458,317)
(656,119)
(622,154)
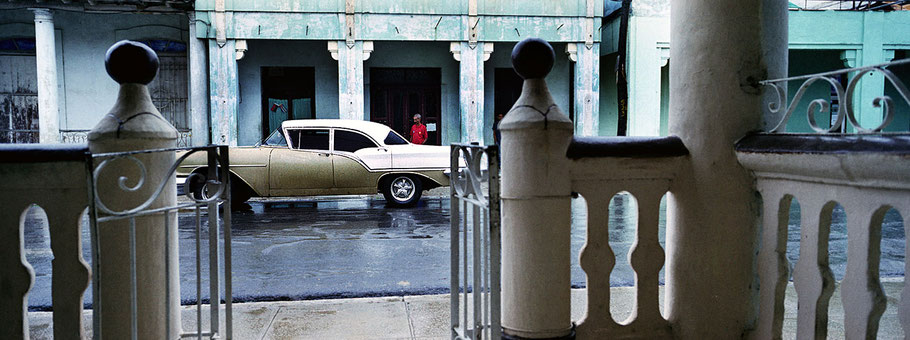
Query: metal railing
(216,195)
(475,264)
(184,137)
(847,110)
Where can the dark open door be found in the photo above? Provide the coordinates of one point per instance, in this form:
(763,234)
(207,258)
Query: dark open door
(397,94)
(287,93)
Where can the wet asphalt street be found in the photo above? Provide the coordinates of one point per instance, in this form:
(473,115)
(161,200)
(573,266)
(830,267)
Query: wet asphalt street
(353,246)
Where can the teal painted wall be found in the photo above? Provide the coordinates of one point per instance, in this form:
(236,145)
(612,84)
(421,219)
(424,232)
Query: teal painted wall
(86,92)
(901,120)
(804,62)
(484,7)
(421,54)
(263,53)
(608,101)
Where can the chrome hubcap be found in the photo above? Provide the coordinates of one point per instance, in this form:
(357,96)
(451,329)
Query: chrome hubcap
(402,188)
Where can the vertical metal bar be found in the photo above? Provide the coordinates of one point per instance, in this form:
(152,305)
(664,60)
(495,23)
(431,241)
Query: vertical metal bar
(96,249)
(476,244)
(134,312)
(485,277)
(214,299)
(167,273)
(228,308)
(198,273)
(454,225)
(464,280)
(495,238)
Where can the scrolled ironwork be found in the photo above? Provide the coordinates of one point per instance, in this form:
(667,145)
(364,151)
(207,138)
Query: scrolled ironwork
(467,182)
(846,112)
(122,181)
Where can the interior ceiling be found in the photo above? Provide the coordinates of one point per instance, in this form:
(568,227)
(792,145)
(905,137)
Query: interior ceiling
(103,5)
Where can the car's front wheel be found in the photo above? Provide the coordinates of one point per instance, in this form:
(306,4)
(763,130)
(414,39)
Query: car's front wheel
(402,190)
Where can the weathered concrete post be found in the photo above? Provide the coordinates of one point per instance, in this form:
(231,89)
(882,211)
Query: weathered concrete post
(135,124)
(712,207)
(536,199)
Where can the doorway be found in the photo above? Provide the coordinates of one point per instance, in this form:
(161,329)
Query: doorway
(507,89)
(397,94)
(287,93)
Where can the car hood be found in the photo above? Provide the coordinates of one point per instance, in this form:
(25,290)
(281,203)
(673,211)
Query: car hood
(413,156)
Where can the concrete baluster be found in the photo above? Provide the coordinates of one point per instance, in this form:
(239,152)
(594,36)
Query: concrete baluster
(135,124)
(536,205)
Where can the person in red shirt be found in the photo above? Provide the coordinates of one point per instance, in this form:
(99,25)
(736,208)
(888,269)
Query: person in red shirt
(418,131)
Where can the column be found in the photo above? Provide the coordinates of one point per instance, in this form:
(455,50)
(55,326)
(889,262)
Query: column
(712,207)
(46,58)
(587,89)
(644,77)
(873,84)
(470,94)
(157,270)
(536,205)
(198,86)
(350,80)
(776,51)
(223,92)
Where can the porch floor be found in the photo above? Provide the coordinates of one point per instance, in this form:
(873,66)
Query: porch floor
(427,317)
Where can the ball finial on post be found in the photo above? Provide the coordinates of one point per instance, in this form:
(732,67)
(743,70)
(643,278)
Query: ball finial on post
(131,62)
(533,58)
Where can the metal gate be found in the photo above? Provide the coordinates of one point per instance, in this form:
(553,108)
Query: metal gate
(218,198)
(475,263)
(18,99)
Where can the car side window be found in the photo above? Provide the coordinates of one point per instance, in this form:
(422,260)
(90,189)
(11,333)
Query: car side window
(394,139)
(276,139)
(316,139)
(351,141)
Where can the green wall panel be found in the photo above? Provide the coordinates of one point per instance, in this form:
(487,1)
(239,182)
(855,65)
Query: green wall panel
(837,28)
(516,28)
(310,26)
(410,27)
(413,7)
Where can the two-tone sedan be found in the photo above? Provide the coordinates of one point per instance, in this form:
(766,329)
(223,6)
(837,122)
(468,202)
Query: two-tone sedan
(330,157)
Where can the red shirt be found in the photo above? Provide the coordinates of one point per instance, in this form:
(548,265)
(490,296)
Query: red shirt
(418,133)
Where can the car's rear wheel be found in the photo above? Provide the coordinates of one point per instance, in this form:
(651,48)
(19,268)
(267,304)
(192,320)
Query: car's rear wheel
(402,190)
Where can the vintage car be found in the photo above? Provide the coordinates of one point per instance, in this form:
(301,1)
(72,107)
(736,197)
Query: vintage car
(329,157)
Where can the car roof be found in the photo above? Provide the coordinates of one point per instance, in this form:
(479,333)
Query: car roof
(375,130)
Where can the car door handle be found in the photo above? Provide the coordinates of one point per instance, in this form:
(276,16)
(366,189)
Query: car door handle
(323,154)
(383,149)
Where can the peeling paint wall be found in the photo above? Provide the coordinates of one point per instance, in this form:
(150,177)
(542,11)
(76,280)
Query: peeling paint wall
(651,8)
(85,90)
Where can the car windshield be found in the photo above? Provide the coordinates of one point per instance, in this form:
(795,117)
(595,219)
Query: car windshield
(275,139)
(394,139)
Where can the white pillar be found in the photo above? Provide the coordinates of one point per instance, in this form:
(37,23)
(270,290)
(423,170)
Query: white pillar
(46,58)
(587,89)
(536,205)
(135,124)
(712,208)
(470,92)
(198,86)
(223,92)
(350,79)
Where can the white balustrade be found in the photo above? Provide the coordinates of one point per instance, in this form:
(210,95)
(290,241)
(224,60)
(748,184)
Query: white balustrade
(55,178)
(867,184)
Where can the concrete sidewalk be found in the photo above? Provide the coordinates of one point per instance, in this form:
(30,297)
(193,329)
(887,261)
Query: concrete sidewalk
(427,317)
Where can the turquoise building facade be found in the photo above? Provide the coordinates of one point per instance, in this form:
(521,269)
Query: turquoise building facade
(819,41)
